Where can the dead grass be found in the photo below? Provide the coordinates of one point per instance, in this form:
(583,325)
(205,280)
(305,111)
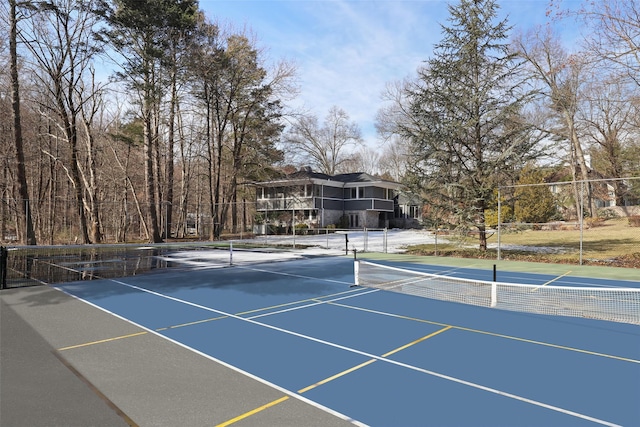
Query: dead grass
(612,242)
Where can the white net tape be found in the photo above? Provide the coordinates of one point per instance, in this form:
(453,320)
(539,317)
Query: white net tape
(611,304)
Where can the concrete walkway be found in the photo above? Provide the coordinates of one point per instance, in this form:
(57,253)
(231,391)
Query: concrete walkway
(67,363)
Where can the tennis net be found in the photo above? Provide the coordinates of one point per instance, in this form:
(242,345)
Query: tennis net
(33,266)
(610,304)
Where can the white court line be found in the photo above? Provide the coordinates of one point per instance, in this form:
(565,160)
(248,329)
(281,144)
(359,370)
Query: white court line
(328,301)
(221,362)
(376,357)
(340,282)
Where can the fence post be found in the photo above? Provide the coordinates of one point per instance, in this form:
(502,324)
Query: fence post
(499,220)
(365,244)
(4,254)
(384,240)
(581,219)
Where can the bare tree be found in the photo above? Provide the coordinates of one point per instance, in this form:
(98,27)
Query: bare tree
(365,159)
(614,34)
(29,236)
(393,121)
(609,115)
(62,50)
(394,159)
(561,76)
(325,147)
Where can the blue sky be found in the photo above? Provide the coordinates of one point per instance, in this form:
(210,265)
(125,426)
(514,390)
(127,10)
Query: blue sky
(346,51)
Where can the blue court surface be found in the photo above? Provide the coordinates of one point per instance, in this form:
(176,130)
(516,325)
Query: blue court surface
(386,359)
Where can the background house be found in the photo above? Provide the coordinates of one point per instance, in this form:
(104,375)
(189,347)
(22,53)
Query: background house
(352,200)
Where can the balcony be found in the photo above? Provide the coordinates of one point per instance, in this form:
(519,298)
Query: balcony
(297,203)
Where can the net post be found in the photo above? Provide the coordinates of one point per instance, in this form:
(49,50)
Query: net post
(356,272)
(494,294)
(494,288)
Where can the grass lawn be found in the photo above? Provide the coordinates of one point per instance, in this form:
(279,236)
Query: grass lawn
(611,242)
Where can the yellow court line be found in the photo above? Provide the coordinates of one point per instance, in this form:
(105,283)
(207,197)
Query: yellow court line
(362,365)
(494,334)
(257,310)
(336,376)
(255,411)
(182,325)
(203,321)
(207,320)
(71,347)
(87,344)
(426,337)
(551,281)
(331,378)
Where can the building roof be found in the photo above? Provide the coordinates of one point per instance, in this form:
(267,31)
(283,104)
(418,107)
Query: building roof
(306,174)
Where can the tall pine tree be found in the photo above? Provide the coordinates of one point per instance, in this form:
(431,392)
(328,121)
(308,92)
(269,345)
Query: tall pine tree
(466,132)
(140,32)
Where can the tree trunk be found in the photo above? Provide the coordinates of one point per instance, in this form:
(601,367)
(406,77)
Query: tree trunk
(584,171)
(170,147)
(184,183)
(154,232)
(29,236)
(150,141)
(482,227)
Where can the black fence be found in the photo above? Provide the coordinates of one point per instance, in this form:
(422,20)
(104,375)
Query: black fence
(4,254)
(22,267)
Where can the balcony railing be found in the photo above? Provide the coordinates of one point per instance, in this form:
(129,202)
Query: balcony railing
(308,203)
(284,204)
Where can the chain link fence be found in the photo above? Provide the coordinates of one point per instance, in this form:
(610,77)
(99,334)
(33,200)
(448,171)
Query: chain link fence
(590,222)
(583,222)
(57,223)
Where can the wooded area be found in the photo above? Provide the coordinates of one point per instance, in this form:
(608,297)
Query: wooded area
(128,120)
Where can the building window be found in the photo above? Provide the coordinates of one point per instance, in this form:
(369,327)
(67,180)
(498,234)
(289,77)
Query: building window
(354,220)
(357,193)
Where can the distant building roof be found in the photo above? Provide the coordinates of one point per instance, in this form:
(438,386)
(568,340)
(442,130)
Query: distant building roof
(345,178)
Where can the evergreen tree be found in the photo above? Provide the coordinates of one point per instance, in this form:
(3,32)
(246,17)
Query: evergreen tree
(466,132)
(534,201)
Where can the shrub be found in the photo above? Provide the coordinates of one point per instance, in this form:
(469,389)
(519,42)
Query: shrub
(343,222)
(606,213)
(634,221)
(534,202)
(491,215)
(595,222)
(301,228)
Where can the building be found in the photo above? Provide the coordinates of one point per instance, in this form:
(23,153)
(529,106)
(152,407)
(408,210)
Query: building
(352,200)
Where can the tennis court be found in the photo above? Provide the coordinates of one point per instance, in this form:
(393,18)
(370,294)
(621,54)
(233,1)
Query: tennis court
(324,352)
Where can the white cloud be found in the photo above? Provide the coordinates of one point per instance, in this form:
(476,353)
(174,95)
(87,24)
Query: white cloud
(348,50)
